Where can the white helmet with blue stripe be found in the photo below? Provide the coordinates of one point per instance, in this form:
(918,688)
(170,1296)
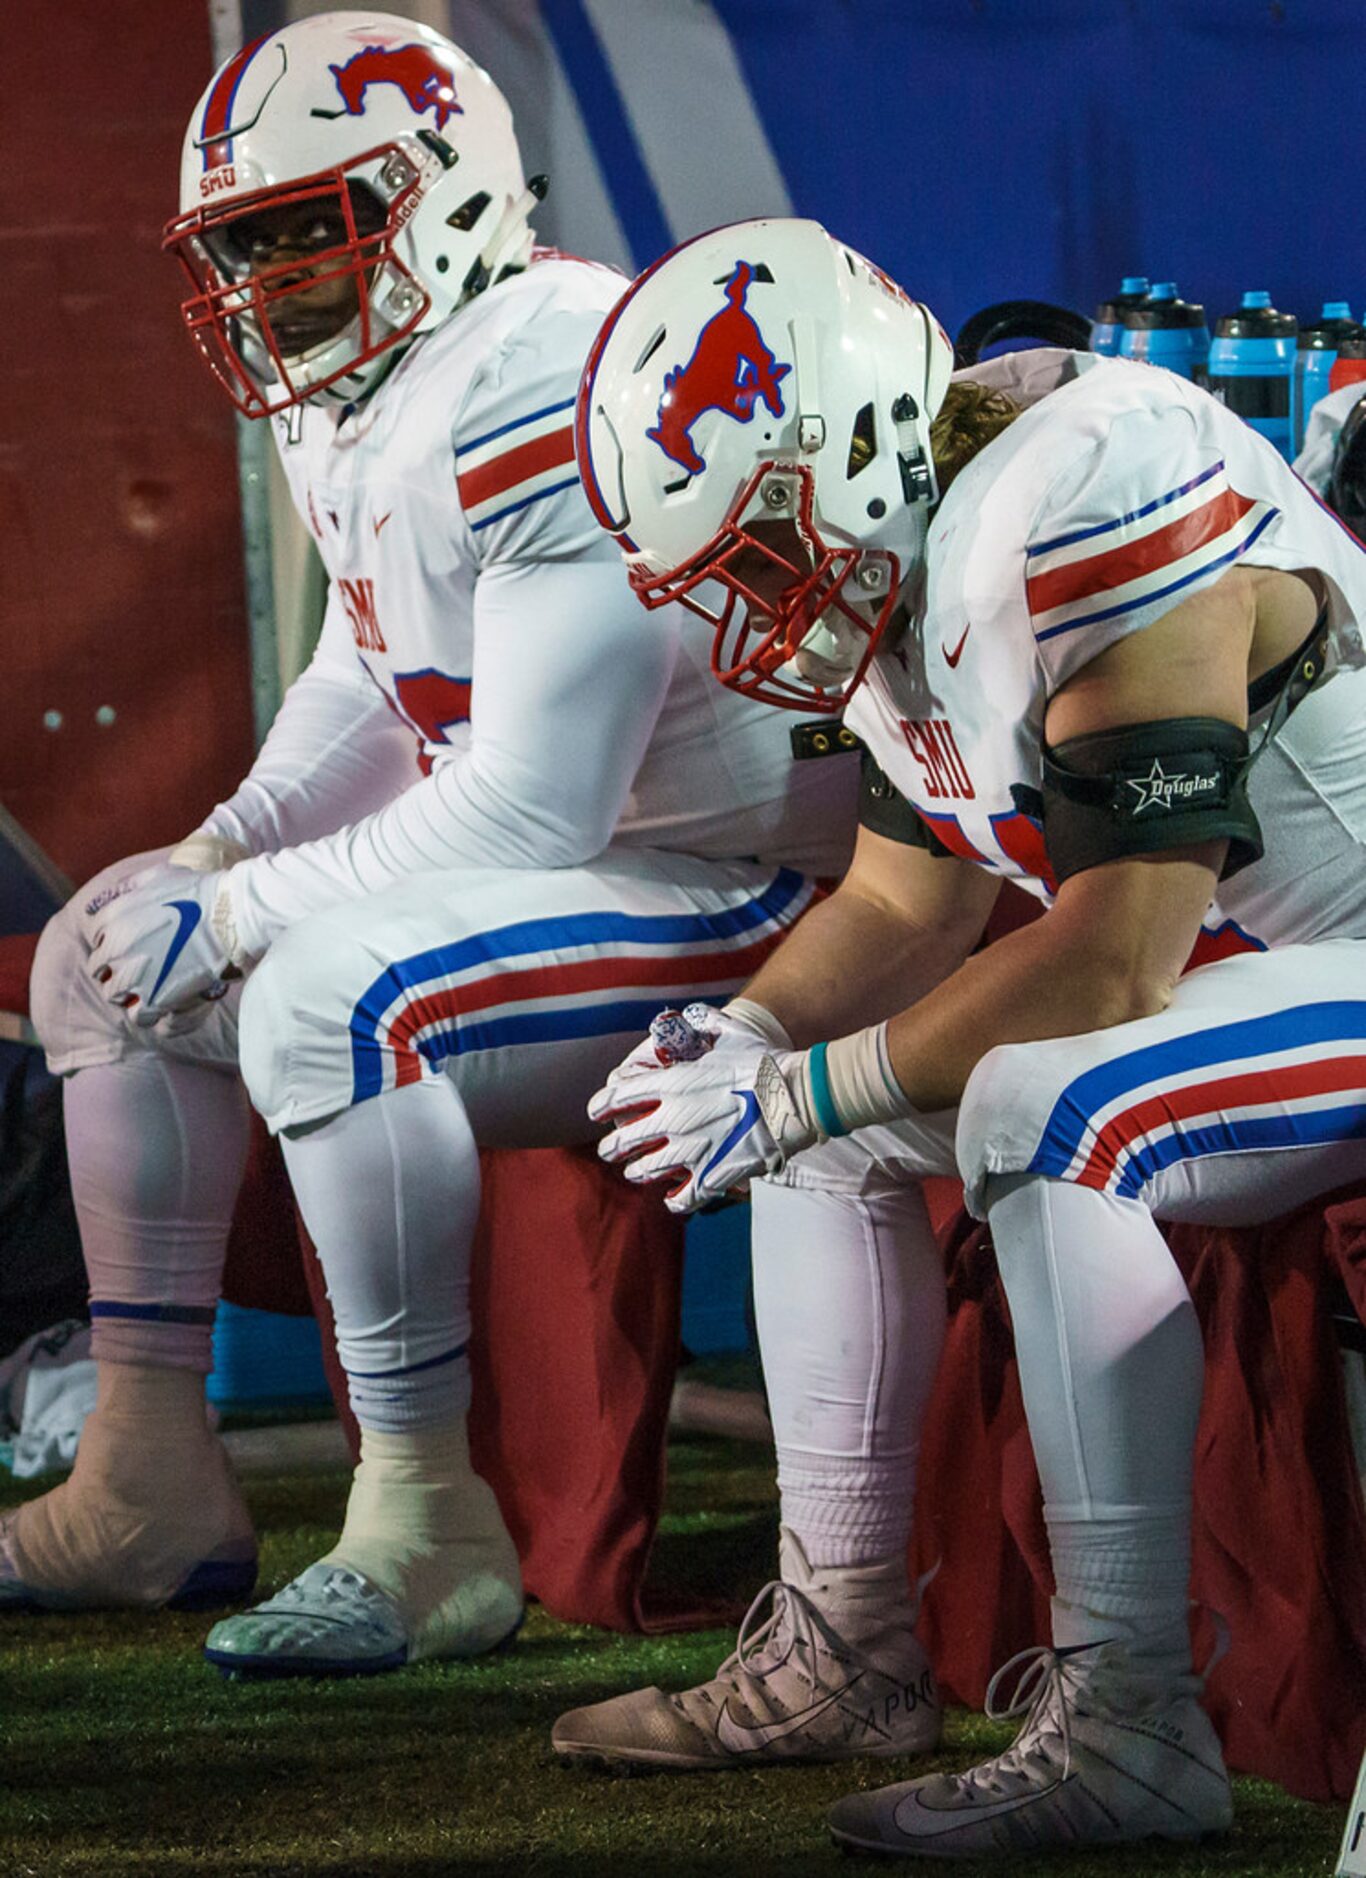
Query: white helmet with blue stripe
(345,184)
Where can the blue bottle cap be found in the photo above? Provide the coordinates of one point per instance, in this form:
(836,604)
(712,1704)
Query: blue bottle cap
(1336,310)
(1138,283)
(1256,299)
(1162,290)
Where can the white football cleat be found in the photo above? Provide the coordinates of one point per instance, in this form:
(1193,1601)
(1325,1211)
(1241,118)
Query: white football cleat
(1107,1755)
(329,1621)
(832,1672)
(150,1517)
(424,1568)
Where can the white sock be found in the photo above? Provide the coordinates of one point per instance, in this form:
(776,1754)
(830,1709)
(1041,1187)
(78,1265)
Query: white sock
(156,1149)
(849,1300)
(1112,1368)
(389,1191)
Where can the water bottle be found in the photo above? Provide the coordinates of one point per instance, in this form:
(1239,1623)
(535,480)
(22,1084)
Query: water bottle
(1167,330)
(1317,348)
(1349,367)
(1105,329)
(1251,365)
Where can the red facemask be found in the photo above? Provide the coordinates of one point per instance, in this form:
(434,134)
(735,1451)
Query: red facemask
(249,320)
(759,632)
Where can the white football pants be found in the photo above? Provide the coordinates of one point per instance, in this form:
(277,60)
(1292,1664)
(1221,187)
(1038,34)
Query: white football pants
(1244,1098)
(386,1037)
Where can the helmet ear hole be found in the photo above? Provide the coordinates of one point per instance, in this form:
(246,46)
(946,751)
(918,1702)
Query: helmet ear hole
(469,211)
(862,442)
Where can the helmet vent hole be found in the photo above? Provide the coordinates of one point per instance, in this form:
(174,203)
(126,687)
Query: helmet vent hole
(469,212)
(652,346)
(862,443)
(439,148)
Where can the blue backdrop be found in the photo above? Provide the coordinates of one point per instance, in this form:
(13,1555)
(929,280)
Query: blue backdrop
(983,149)
(980,150)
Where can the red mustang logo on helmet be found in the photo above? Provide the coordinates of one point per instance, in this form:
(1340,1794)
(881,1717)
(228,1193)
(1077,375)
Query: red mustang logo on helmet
(424,82)
(730,369)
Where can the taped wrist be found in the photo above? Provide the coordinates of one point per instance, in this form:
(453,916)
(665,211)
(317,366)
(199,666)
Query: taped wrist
(850,1083)
(760,1020)
(1146,788)
(206,853)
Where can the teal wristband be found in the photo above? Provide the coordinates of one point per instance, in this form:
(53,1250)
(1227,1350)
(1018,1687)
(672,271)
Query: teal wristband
(821,1098)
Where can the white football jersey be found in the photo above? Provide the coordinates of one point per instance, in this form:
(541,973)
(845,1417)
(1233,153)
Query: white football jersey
(1120,491)
(472,590)
(1315,460)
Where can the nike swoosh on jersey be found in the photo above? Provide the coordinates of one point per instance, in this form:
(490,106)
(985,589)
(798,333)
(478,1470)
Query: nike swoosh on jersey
(190,913)
(951,658)
(955,1816)
(738,1738)
(748,1118)
(381,521)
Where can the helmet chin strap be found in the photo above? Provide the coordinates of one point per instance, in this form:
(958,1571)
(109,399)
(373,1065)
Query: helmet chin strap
(509,244)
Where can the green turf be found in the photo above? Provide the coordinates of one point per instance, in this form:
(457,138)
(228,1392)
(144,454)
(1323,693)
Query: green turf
(122,1753)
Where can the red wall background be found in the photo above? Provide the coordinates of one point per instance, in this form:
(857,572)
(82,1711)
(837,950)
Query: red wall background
(121,579)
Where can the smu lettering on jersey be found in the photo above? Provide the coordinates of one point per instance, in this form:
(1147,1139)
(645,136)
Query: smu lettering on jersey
(1119,492)
(463,461)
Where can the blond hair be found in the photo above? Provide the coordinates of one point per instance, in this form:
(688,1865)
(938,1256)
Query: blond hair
(970,416)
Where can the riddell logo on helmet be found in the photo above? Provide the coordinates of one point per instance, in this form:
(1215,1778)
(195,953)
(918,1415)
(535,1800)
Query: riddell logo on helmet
(224,177)
(731,368)
(423,80)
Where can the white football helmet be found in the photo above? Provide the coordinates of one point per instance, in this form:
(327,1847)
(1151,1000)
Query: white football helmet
(399,155)
(761,374)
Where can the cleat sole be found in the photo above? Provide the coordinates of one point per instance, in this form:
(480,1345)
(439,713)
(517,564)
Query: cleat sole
(605,1761)
(268,1668)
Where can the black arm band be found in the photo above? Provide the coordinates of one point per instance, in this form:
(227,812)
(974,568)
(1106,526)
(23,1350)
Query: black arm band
(885,811)
(1146,788)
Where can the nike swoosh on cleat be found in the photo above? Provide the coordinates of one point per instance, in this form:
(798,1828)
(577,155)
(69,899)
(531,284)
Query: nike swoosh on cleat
(190,913)
(955,1816)
(736,1737)
(951,658)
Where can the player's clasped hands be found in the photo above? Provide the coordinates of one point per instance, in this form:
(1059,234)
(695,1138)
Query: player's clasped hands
(155,949)
(701,1099)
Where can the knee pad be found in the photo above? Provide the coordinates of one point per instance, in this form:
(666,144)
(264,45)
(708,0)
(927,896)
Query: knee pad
(295,1021)
(1005,1111)
(75,1026)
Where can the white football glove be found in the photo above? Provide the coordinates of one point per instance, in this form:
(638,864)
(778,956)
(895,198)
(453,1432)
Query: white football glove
(714,1108)
(161,943)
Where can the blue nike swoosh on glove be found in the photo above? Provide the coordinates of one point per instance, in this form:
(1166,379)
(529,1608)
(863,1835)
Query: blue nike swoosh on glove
(190,913)
(742,1127)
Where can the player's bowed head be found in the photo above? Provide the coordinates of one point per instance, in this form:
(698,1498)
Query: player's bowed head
(345,184)
(754,427)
